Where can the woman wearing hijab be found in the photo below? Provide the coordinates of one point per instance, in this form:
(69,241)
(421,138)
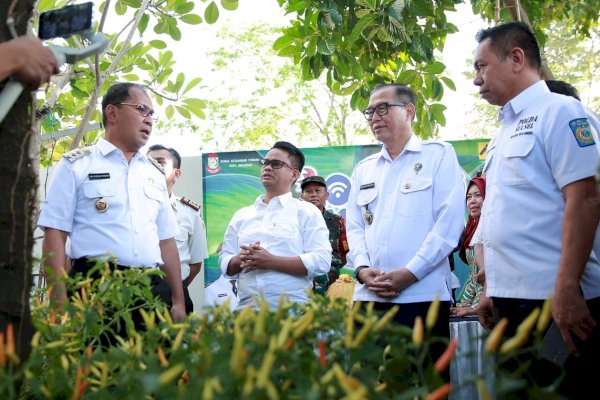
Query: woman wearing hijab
(469,298)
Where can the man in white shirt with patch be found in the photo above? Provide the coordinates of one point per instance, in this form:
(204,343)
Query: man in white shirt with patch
(540,209)
(191,239)
(405,214)
(279,244)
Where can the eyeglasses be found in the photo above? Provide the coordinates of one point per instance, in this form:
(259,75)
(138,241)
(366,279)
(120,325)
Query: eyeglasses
(144,110)
(275,164)
(380,109)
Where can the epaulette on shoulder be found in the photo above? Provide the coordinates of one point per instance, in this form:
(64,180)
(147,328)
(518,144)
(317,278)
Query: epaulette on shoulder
(76,154)
(368,158)
(190,203)
(438,142)
(156,164)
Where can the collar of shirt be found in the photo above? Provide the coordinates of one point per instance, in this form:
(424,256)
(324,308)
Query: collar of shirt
(523,100)
(107,147)
(173,200)
(414,144)
(283,199)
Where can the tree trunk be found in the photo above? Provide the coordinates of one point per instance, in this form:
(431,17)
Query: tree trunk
(18,183)
(519,14)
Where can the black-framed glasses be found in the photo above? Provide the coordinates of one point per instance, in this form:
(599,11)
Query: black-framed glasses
(144,110)
(380,109)
(275,164)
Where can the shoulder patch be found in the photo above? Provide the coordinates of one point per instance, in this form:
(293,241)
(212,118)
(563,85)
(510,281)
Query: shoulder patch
(156,164)
(582,131)
(190,203)
(76,154)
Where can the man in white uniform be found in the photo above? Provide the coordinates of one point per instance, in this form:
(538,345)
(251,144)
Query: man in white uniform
(112,202)
(405,214)
(279,244)
(540,215)
(191,239)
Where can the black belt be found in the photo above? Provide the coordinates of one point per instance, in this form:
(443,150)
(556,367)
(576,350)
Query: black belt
(83,266)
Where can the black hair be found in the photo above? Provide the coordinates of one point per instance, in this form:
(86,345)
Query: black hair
(174,154)
(403,92)
(562,87)
(296,155)
(505,37)
(117,93)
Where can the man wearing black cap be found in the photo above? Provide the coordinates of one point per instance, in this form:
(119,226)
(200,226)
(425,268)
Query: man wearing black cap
(314,190)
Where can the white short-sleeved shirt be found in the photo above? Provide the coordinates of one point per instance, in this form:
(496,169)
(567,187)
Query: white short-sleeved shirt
(191,239)
(138,212)
(544,144)
(417,204)
(220,291)
(284,227)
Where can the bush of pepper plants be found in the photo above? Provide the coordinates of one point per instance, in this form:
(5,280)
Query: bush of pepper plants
(320,350)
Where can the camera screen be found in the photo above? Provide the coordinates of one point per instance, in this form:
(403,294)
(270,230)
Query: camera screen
(65,21)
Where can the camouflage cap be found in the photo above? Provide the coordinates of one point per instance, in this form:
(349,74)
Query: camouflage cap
(313,179)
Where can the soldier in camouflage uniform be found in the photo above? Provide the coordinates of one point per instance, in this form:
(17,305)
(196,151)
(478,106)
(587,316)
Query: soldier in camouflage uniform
(314,190)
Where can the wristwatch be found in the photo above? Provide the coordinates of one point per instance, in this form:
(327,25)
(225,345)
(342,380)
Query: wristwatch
(356,271)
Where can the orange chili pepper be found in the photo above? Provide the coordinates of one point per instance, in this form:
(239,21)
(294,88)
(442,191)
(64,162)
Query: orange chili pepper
(442,363)
(10,340)
(322,357)
(161,356)
(2,356)
(440,393)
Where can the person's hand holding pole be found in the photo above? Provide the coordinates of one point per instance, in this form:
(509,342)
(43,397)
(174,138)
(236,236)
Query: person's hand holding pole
(26,60)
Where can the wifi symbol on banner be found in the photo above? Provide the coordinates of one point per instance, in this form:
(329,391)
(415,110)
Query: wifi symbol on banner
(338,186)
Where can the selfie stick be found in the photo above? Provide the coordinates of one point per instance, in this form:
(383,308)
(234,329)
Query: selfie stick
(70,55)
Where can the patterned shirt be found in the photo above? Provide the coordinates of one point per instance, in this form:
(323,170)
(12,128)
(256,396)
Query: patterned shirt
(339,246)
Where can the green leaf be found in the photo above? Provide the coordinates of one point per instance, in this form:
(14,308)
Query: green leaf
(175,33)
(437,112)
(191,19)
(211,14)
(131,77)
(158,44)
(435,68)
(162,26)
(195,102)
(197,111)
(120,8)
(179,82)
(143,23)
(296,7)
(437,89)
(282,42)
(449,83)
(183,112)
(360,26)
(407,76)
(184,8)
(169,112)
(191,85)
(326,47)
(229,5)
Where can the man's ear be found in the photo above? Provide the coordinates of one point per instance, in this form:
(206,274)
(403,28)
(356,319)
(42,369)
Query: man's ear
(517,57)
(177,175)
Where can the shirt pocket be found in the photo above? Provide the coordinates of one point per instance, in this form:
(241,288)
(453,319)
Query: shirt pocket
(516,169)
(153,197)
(94,191)
(416,196)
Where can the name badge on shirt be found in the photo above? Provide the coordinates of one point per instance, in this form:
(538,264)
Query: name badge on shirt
(367,186)
(96,177)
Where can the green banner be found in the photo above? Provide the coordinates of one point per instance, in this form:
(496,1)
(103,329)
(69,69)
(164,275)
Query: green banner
(231,180)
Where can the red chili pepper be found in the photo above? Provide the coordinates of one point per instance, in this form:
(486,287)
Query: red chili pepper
(322,357)
(442,363)
(84,386)
(440,393)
